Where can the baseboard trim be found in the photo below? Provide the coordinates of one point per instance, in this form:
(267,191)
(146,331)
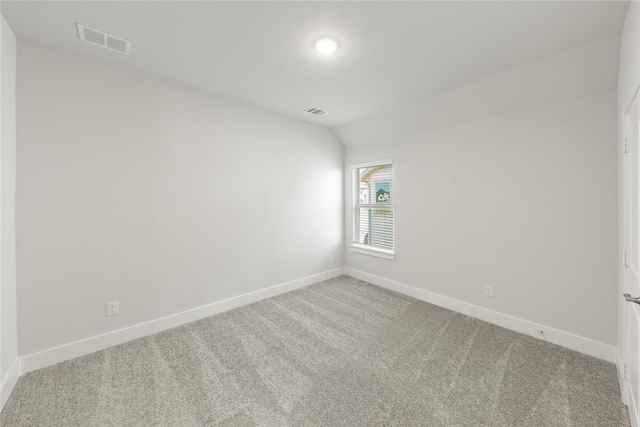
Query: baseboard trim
(52,356)
(620,370)
(9,382)
(565,339)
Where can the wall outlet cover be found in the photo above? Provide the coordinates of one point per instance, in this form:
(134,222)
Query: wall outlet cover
(113,308)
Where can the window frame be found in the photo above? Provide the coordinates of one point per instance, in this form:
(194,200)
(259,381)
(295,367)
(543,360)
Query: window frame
(356,247)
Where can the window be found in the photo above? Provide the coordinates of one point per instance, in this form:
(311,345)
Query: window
(372,201)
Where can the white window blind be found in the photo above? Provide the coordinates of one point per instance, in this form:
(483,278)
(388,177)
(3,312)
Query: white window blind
(372,201)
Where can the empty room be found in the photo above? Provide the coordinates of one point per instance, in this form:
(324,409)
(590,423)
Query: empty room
(356,213)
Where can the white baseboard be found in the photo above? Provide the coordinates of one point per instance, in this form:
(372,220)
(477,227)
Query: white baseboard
(620,370)
(9,382)
(52,356)
(79,348)
(565,339)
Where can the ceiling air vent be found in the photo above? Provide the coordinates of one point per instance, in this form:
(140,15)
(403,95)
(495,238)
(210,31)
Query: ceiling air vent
(315,111)
(103,39)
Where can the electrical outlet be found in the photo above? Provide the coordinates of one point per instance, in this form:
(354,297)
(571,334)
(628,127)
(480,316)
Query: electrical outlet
(488,291)
(330,257)
(113,308)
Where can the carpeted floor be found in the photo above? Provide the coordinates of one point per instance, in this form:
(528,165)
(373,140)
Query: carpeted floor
(341,352)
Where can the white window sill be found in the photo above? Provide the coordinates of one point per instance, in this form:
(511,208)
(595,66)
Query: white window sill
(376,252)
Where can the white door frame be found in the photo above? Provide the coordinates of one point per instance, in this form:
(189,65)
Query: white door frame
(628,342)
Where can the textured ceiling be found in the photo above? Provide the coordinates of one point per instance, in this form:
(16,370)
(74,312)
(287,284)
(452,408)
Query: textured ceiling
(262,52)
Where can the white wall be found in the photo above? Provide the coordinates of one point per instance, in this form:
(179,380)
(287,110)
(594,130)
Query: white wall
(160,197)
(587,69)
(521,197)
(9,363)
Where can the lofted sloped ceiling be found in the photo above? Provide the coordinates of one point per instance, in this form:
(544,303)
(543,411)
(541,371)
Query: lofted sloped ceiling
(262,53)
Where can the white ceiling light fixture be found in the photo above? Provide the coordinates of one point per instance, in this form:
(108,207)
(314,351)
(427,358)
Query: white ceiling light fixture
(326,45)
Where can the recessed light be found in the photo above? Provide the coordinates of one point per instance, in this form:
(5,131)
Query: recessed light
(326,45)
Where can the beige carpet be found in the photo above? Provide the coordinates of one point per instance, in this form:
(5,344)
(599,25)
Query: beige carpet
(342,352)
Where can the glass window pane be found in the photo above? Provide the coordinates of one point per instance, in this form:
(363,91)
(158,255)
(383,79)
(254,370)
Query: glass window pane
(373,196)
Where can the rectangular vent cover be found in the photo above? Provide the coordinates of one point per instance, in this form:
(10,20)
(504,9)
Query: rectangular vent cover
(103,39)
(315,111)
